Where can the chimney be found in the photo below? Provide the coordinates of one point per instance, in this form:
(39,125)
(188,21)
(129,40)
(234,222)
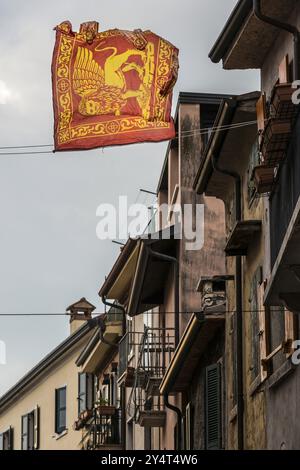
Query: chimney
(79,313)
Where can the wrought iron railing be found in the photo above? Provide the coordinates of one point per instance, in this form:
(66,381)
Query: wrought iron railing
(149,351)
(153,349)
(104,430)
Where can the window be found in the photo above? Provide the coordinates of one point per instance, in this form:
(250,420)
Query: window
(273,333)
(85,392)
(213,407)
(30,430)
(60,409)
(6,439)
(281,333)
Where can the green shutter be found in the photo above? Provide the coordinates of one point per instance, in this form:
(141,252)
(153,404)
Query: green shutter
(10,438)
(213,428)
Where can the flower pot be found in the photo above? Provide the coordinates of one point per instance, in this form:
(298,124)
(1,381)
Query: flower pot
(264,177)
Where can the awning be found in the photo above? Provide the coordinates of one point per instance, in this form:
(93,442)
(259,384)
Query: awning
(151,273)
(98,351)
(118,282)
(198,333)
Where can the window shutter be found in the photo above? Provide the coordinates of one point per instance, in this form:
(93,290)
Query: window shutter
(234,357)
(10,438)
(262,330)
(36,429)
(290,329)
(1,441)
(261,112)
(89,391)
(284,70)
(255,365)
(213,420)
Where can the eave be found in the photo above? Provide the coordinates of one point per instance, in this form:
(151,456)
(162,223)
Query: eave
(192,99)
(200,330)
(224,143)
(118,281)
(245,41)
(151,273)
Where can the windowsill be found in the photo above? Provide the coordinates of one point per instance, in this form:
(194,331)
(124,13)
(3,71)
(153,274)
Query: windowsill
(59,436)
(280,374)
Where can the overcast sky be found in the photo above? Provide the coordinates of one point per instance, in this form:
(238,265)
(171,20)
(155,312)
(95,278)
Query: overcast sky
(49,253)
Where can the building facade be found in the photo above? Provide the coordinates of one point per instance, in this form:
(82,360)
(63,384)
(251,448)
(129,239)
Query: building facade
(39,412)
(254,170)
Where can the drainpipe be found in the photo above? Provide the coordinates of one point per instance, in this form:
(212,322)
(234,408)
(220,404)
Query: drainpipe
(174,261)
(285,27)
(179,418)
(239,305)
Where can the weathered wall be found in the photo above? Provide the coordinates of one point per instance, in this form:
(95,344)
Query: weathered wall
(283,411)
(254,415)
(282,414)
(203,260)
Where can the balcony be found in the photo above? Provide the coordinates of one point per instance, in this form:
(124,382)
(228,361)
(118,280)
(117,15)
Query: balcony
(276,121)
(104,431)
(144,356)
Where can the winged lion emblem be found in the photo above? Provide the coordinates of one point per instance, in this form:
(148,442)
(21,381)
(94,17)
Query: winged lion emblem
(103,90)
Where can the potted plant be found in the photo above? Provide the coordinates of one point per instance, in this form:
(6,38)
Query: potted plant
(104,408)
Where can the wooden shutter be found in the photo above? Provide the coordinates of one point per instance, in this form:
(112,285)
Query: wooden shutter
(89,391)
(10,438)
(213,421)
(254,312)
(261,113)
(36,427)
(233,334)
(289,336)
(262,331)
(284,70)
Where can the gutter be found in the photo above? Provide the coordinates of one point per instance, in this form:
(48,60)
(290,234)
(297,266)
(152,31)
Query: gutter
(237,18)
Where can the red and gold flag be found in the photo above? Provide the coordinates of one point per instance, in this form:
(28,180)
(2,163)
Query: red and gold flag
(111,88)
